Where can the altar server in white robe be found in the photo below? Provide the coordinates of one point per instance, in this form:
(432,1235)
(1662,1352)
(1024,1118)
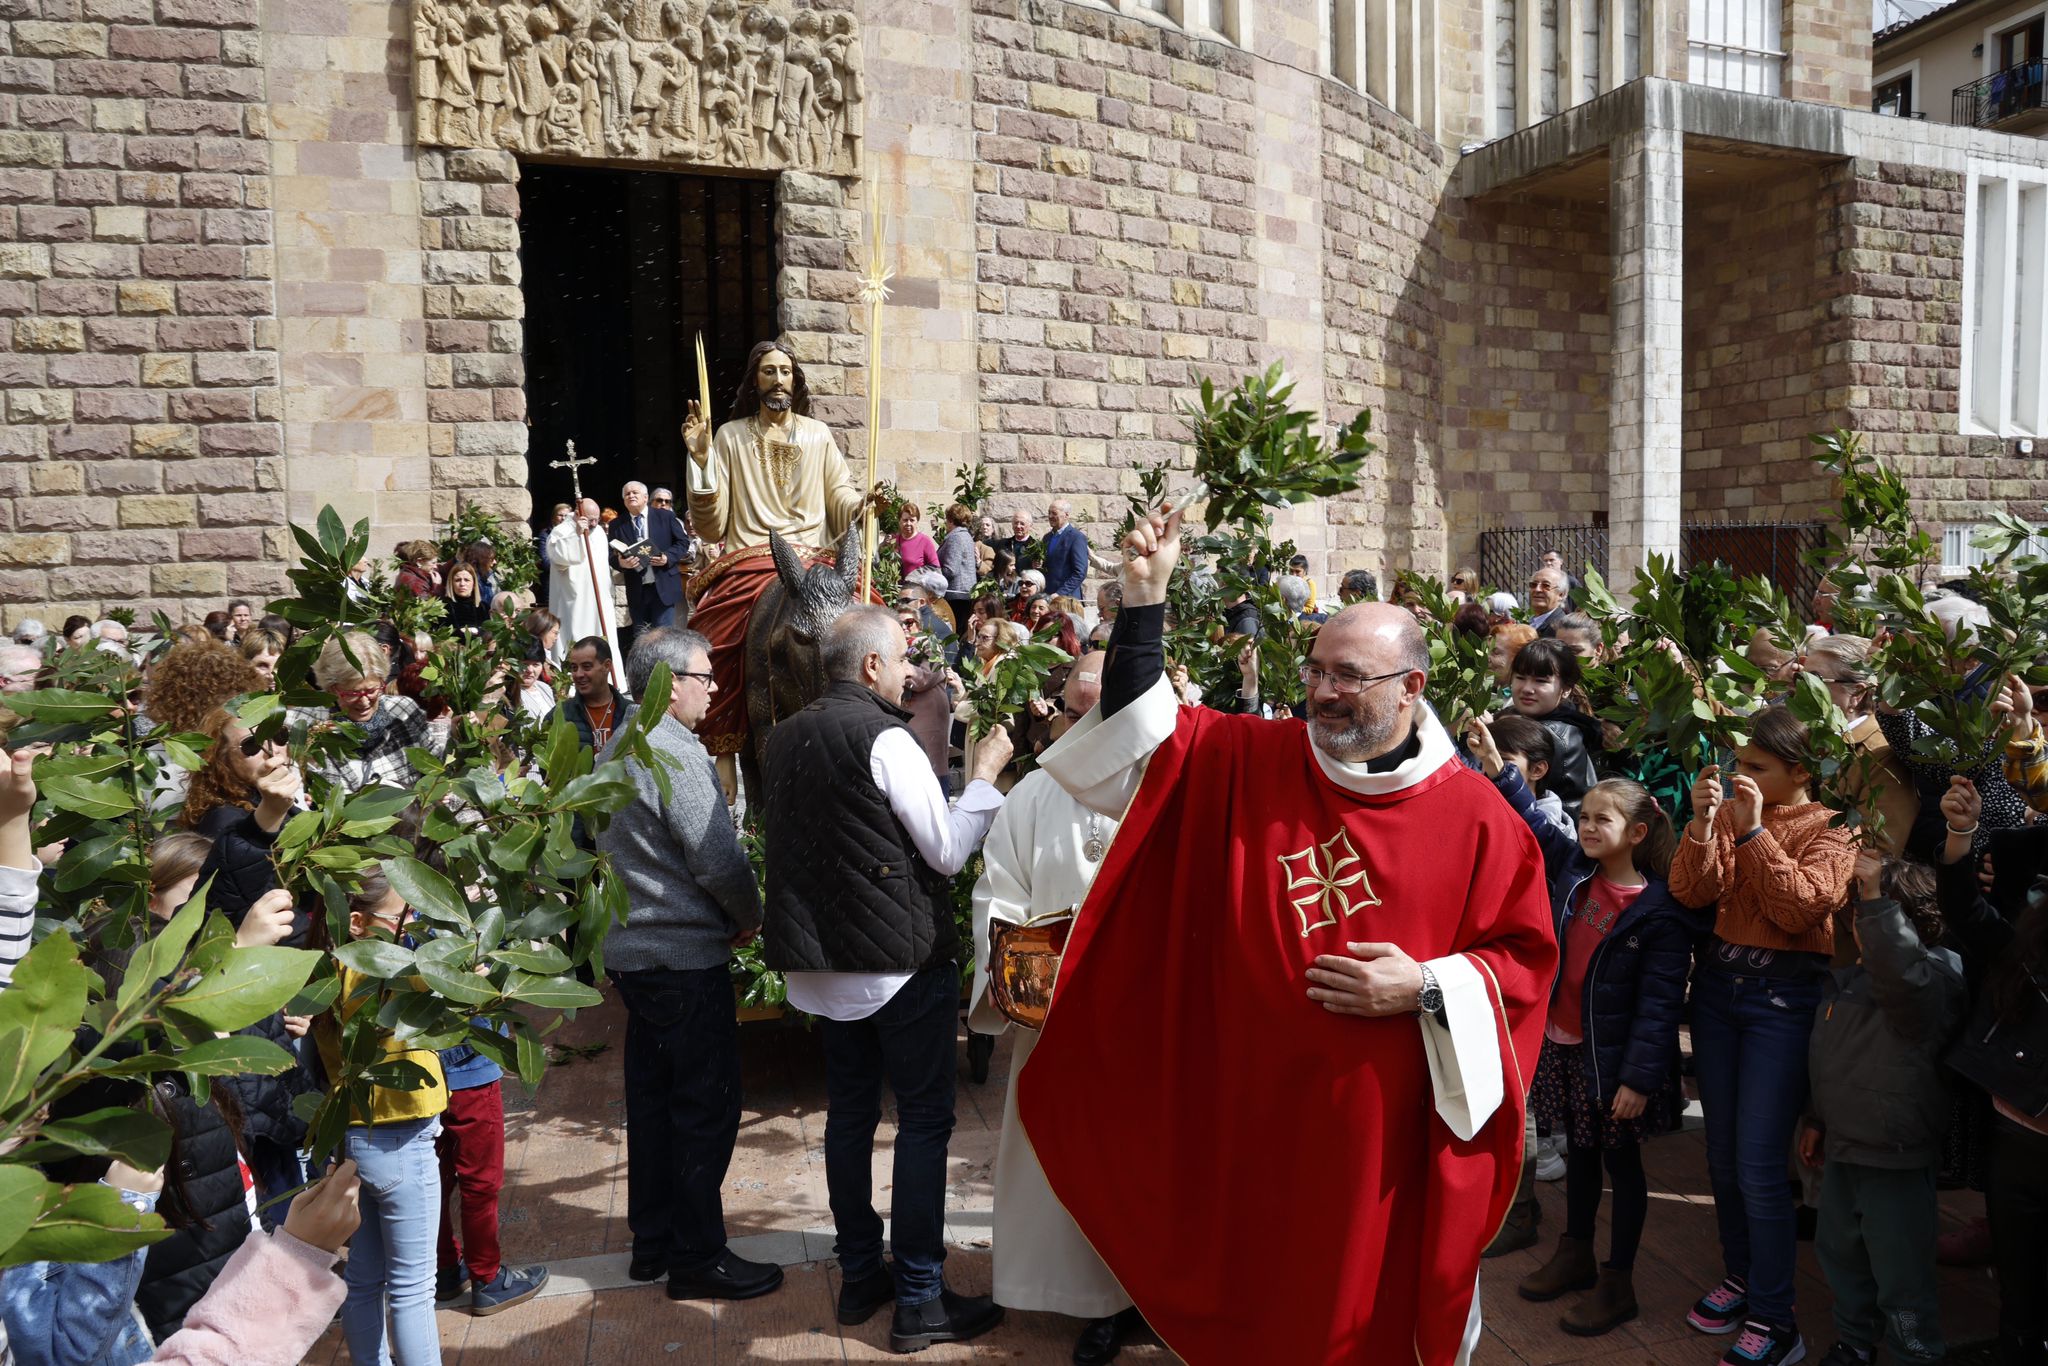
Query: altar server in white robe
(580,583)
(1040,856)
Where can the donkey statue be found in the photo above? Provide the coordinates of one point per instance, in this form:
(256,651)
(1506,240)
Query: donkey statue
(785,668)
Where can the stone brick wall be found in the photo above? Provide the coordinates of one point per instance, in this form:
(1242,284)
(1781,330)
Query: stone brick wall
(137,340)
(1753,281)
(1526,340)
(1115,233)
(1383,290)
(1827,53)
(1891,360)
(476,369)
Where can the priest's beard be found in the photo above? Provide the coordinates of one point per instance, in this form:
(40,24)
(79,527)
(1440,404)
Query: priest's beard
(776,400)
(1352,732)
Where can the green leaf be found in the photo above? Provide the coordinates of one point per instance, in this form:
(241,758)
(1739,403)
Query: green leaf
(247,985)
(84,1223)
(137,1137)
(320,995)
(88,797)
(552,993)
(182,754)
(514,852)
(546,959)
(23,1191)
(457,984)
(61,706)
(375,957)
(87,861)
(39,1014)
(236,1054)
(532,1058)
(427,891)
(399,1074)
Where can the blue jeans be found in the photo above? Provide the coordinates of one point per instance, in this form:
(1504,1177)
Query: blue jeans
(391,1257)
(1749,1038)
(682,1069)
(910,1043)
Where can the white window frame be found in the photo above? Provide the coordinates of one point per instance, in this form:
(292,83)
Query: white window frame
(1711,57)
(1958,556)
(1884,78)
(1993,31)
(1999,411)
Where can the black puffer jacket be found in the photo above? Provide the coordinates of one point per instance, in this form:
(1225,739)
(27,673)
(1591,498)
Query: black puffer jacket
(240,869)
(1575,738)
(848,890)
(205,1195)
(266,1101)
(1634,995)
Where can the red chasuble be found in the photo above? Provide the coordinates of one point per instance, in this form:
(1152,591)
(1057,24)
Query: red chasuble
(1270,1181)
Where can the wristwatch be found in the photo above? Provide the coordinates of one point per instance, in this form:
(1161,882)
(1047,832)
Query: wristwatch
(1432,1001)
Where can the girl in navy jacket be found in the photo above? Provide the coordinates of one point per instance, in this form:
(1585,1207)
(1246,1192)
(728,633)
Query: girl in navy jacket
(1607,1078)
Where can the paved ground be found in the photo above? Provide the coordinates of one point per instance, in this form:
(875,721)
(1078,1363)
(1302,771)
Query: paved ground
(565,1196)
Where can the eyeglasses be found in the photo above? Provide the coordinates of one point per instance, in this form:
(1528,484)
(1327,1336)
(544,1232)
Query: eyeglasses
(664,502)
(253,745)
(1342,683)
(359,694)
(704,678)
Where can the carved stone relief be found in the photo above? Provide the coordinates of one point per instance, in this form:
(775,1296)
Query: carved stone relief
(701,82)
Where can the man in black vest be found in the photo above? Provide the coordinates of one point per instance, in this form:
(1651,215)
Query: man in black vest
(861,853)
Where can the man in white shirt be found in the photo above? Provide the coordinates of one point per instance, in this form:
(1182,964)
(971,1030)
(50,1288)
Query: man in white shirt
(861,852)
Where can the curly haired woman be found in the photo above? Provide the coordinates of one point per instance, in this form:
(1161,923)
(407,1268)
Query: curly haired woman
(186,685)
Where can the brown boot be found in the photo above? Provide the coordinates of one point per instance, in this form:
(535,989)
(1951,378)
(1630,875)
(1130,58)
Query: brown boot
(1612,1303)
(1570,1268)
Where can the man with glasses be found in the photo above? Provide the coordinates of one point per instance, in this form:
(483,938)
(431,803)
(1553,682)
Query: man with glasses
(691,899)
(1322,944)
(1066,552)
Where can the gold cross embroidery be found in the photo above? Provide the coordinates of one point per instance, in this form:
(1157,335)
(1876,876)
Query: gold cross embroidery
(1322,880)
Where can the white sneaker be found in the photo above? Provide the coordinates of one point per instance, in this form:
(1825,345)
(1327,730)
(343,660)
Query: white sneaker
(1549,1158)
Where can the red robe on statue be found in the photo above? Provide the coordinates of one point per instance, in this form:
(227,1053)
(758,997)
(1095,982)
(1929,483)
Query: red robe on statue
(1272,1182)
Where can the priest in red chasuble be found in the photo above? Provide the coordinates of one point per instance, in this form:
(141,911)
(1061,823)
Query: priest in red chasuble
(1281,1085)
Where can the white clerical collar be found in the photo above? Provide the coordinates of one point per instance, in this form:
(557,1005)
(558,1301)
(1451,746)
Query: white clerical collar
(1432,754)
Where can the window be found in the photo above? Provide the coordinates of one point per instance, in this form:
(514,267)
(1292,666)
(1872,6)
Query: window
(1958,553)
(1586,62)
(1735,45)
(1631,40)
(2021,44)
(1500,18)
(1894,97)
(2005,297)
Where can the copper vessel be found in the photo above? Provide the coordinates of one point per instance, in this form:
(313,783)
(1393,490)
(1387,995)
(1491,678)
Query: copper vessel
(1024,964)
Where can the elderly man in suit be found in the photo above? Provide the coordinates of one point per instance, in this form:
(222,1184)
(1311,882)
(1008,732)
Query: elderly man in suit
(654,579)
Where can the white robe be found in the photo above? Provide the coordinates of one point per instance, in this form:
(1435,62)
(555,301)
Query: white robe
(1101,761)
(586,608)
(1034,866)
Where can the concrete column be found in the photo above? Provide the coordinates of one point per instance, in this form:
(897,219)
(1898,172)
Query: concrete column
(1646,208)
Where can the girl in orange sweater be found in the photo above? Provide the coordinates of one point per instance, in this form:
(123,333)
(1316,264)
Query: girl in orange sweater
(1774,867)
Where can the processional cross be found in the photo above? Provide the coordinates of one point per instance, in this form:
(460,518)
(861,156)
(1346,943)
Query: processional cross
(574,465)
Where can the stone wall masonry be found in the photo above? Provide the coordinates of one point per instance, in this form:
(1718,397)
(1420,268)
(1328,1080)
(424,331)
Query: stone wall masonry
(1382,185)
(1526,340)
(1753,282)
(1891,340)
(1115,229)
(139,437)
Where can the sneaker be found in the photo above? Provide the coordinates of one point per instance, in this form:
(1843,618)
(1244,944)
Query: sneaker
(512,1285)
(1720,1310)
(450,1281)
(1549,1158)
(1759,1344)
(1847,1354)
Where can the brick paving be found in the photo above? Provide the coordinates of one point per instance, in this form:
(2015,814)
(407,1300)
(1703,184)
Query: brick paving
(564,1204)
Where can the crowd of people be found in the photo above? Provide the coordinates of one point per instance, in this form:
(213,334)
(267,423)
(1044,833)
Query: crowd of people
(1859,1010)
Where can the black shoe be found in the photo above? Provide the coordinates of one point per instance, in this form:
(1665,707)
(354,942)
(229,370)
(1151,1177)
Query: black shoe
(859,1299)
(1519,1230)
(647,1268)
(450,1281)
(949,1318)
(731,1277)
(1102,1339)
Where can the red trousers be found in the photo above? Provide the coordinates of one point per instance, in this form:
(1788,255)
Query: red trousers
(472,1152)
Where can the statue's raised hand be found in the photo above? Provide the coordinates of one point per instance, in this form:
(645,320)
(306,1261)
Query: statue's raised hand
(696,434)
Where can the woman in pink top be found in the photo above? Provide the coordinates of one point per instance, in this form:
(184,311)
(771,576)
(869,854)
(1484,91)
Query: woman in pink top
(918,550)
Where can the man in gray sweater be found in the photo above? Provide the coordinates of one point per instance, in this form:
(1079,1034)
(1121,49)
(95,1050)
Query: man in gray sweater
(691,897)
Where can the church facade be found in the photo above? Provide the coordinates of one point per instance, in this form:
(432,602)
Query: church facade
(1590,262)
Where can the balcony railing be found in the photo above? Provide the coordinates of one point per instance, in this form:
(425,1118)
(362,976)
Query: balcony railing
(2001,96)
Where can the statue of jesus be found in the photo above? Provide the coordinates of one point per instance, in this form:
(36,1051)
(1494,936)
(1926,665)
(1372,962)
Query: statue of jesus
(772,467)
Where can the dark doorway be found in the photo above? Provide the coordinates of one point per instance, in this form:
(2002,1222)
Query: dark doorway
(622,269)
